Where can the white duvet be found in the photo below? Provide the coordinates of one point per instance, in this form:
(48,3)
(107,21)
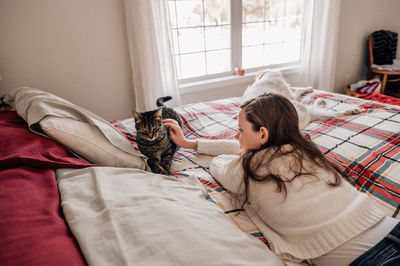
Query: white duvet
(125,216)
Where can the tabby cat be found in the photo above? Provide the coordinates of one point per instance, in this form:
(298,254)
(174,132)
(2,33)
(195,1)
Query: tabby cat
(153,138)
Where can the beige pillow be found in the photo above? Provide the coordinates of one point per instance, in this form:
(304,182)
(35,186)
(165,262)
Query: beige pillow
(89,142)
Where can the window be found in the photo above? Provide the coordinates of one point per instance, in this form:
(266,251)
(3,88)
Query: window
(212,37)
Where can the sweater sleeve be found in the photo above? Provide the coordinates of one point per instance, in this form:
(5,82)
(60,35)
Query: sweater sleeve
(227,169)
(217,147)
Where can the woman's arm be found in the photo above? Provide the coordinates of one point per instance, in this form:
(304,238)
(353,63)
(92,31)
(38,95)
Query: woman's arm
(210,147)
(218,147)
(227,169)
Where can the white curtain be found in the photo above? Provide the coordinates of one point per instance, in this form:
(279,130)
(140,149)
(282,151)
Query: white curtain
(322,39)
(153,70)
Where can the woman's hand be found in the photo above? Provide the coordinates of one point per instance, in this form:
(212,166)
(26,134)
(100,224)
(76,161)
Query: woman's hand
(177,135)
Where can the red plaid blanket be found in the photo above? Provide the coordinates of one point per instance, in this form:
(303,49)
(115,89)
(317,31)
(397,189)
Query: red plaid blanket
(380,98)
(365,147)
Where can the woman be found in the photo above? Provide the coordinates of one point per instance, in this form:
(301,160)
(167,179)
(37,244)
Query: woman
(297,198)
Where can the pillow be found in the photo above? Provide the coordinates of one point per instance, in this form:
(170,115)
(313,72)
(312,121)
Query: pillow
(366,86)
(89,142)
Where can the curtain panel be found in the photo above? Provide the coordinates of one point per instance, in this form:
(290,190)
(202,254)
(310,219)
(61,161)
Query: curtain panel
(152,61)
(321,43)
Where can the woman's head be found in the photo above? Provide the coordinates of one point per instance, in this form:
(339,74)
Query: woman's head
(273,120)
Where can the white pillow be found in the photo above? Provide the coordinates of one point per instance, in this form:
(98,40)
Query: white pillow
(89,142)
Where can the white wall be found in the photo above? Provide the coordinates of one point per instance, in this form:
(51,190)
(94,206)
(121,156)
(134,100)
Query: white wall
(76,49)
(359,18)
(392,19)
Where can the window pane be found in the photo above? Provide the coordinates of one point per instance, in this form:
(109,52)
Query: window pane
(273,33)
(253,56)
(218,61)
(191,40)
(279,34)
(218,37)
(280,31)
(274,54)
(274,9)
(252,34)
(293,7)
(292,51)
(189,13)
(217,12)
(282,53)
(253,10)
(193,65)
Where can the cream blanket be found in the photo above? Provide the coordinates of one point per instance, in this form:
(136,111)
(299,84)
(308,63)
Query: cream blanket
(125,216)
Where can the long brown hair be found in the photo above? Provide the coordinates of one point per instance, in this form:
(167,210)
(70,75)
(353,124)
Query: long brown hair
(279,116)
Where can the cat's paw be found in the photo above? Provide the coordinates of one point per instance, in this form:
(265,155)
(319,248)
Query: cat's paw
(160,170)
(309,90)
(353,111)
(157,168)
(306,91)
(164,172)
(321,102)
(301,92)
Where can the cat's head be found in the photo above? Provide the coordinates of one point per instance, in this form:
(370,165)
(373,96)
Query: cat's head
(149,124)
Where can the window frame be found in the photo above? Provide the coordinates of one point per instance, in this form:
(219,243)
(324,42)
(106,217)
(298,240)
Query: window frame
(211,81)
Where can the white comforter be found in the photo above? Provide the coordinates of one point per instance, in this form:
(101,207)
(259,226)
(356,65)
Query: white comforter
(125,216)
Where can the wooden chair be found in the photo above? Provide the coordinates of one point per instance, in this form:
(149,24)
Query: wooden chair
(387,75)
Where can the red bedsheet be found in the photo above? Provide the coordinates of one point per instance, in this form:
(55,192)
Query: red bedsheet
(32,228)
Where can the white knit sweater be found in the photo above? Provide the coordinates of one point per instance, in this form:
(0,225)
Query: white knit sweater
(314,219)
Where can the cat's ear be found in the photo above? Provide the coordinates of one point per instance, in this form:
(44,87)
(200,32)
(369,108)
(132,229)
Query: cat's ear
(137,116)
(158,113)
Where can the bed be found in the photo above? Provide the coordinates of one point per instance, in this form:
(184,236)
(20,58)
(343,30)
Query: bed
(74,189)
